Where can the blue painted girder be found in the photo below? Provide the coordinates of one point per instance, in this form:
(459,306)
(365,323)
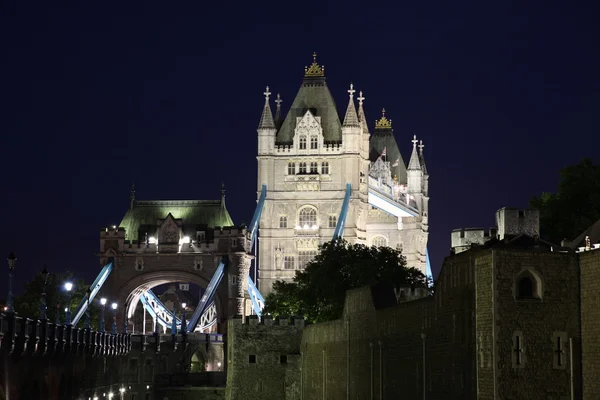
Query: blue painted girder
(94,289)
(208,296)
(339,228)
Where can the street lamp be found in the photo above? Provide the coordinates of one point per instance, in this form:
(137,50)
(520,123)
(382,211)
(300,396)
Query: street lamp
(114,325)
(43,306)
(12,261)
(183,322)
(68,287)
(103,302)
(88,292)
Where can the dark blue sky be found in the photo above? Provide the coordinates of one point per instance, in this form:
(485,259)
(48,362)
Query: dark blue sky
(96,95)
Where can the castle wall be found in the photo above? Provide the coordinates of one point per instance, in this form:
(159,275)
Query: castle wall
(263,358)
(590,322)
(541,323)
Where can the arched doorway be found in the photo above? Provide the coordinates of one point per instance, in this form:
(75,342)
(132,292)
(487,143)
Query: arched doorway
(198,362)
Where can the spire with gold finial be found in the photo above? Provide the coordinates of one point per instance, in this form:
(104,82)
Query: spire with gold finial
(361,113)
(315,70)
(351,118)
(383,122)
(266,119)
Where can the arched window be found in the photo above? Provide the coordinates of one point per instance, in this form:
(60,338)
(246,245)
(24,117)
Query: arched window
(325,168)
(313,167)
(283,221)
(379,241)
(307,218)
(528,285)
(302,168)
(302,142)
(313,142)
(291,168)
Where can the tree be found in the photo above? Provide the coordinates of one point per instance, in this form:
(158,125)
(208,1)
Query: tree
(318,293)
(574,207)
(29,302)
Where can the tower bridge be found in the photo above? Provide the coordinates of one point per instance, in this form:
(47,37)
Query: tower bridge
(319,178)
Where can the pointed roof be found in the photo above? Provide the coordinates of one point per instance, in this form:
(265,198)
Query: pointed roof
(278,116)
(193,213)
(351,118)
(422,159)
(266,119)
(314,95)
(414,163)
(383,138)
(361,113)
(593,232)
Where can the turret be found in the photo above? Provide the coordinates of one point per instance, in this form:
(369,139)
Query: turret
(425,188)
(266,128)
(351,129)
(414,171)
(362,119)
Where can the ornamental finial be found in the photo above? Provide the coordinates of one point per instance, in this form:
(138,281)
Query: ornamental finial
(267,94)
(414,141)
(421,146)
(360,98)
(351,91)
(315,69)
(383,122)
(278,101)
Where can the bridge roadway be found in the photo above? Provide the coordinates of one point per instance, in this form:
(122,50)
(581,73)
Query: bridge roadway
(42,360)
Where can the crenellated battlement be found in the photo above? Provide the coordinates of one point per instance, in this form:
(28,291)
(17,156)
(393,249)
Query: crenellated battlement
(267,320)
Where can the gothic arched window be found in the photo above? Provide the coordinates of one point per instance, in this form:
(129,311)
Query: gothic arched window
(313,142)
(291,168)
(379,241)
(302,168)
(302,142)
(325,168)
(283,221)
(332,221)
(528,285)
(313,167)
(307,217)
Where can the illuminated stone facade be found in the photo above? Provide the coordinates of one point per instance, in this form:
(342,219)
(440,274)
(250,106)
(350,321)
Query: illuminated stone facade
(307,158)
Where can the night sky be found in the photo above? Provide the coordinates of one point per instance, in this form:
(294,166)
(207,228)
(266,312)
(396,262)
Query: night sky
(98,95)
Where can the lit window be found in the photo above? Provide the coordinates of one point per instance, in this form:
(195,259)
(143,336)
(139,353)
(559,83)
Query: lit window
(291,168)
(325,168)
(313,167)
(283,221)
(332,221)
(307,217)
(302,167)
(379,241)
(288,262)
(313,142)
(302,142)
(304,257)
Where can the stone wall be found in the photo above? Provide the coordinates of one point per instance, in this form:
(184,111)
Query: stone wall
(263,358)
(590,322)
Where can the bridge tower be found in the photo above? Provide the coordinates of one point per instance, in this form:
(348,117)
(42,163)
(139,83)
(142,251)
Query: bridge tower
(170,241)
(306,159)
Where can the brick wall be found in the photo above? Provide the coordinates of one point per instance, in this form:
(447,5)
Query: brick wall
(590,322)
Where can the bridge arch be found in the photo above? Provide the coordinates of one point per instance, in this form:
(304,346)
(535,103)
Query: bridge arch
(130,292)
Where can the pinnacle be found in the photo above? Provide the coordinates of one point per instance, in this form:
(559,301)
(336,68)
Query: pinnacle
(361,114)
(351,118)
(414,163)
(266,119)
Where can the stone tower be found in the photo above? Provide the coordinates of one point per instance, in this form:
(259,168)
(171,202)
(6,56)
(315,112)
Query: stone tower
(306,159)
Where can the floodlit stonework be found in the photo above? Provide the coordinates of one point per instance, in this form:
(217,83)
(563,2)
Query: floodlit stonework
(307,157)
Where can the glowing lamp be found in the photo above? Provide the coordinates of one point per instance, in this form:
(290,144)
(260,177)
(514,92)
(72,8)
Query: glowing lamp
(103,301)
(114,306)
(68,286)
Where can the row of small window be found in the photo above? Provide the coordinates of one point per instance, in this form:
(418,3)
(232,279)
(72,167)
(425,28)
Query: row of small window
(252,359)
(304,257)
(308,218)
(314,142)
(560,340)
(308,168)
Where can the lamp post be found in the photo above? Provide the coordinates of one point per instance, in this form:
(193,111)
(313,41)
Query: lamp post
(57,319)
(183,321)
(87,309)
(12,261)
(114,325)
(68,287)
(43,306)
(103,303)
